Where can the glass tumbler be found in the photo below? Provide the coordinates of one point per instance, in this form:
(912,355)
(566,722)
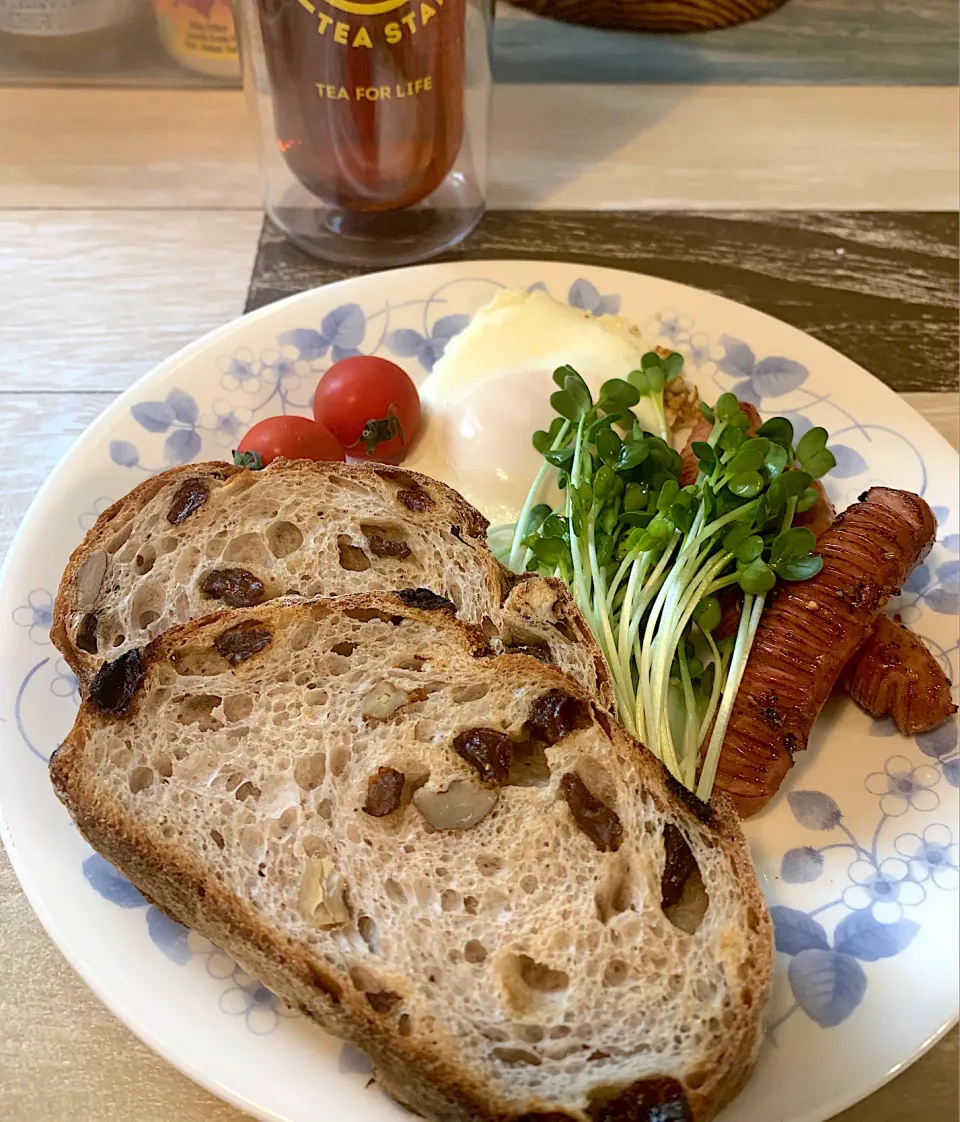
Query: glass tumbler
(373,118)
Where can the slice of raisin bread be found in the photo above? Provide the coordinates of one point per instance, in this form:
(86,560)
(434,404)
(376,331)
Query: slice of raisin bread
(199,538)
(454,859)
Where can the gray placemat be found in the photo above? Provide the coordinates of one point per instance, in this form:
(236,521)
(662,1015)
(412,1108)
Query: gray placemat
(879,287)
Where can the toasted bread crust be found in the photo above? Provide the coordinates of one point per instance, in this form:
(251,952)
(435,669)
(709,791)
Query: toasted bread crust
(430,1080)
(443,512)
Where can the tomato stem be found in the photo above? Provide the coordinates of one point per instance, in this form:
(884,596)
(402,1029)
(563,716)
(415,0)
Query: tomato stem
(379,430)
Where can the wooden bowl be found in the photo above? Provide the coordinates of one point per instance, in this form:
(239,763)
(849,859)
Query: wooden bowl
(652,15)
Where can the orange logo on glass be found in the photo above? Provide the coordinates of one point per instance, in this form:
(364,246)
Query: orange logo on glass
(357,7)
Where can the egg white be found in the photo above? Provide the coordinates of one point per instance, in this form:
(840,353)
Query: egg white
(491,390)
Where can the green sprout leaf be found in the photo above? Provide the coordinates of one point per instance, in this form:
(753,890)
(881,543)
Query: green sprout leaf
(779,430)
(749,549)
(632,454)
(707,413)
(551,551)
(775,462)
(757,578)
(813,441)
(707,614)
(794,543)
(819,463)
(640,382)
(807,499)
(727,407)
(735,536)
(655,378)
(747,484)
(730,439)
(608,446)
(616,394)
(635,497)
(750,456)
(672,365)
(704,452)
(561,373)
(801,568)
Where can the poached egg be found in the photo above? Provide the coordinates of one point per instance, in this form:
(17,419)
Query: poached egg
(491,390)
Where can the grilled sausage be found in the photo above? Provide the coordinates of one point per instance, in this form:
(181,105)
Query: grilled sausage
(894,673)
(809,632)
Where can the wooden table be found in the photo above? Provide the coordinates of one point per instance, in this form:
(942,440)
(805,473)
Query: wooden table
(129,223)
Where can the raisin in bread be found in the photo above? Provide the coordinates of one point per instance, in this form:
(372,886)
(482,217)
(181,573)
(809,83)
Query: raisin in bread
(450,857)
(199,538)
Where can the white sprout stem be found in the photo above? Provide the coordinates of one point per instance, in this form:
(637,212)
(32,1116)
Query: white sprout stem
(530,500)
(657,401)
(581,592)
(714,692)
(749,622)
(607,643)
(688,764)
(676,587)
(644,701)
(637,573)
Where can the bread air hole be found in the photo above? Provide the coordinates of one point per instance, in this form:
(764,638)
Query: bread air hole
(489,864)
(472,692)
(198,661)
(394,891)
(475,952)
(249,549)
(145,559)
(368,933)
(615,972)
(615,893)
(352,558)
(309,771)
(217,838)
(237,707)
(516,1056)
(283,538)
(247,790)
(120,538)
(140,779)
(528,765)
(198,710)
(527,984)
(683,897)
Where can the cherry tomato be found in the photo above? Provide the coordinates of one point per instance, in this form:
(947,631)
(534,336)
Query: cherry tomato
(296,438)
(370,405)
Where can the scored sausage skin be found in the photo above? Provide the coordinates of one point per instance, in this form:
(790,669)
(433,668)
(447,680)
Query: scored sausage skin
(894,673)
(809,632)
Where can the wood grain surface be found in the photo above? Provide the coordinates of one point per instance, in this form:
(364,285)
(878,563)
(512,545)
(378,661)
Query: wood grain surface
(808,42)
(822,42)
(653,15)
(880,288)
(554,147)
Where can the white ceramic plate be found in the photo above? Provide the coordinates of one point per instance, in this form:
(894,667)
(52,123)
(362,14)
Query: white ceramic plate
(857,854)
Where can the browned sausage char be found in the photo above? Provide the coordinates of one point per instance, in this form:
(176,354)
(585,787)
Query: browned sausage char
(809,632)
(894,673)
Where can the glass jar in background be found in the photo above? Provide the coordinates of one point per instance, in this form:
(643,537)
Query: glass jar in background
(66,32)
(199,34)
(373,118)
